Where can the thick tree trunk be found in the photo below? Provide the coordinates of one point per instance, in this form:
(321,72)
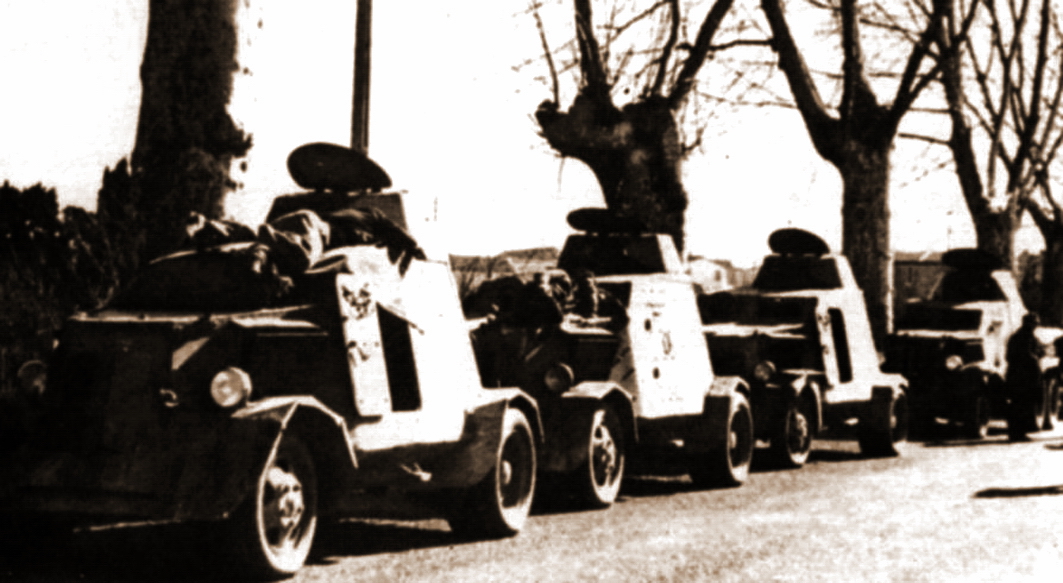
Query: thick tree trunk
(1052,278)
(186,140)
(866,229)
(635,154)
(995,233)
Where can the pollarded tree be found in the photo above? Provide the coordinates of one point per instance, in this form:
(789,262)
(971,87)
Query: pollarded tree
(634,149)
(857,134)
(186,140)
(1014,59)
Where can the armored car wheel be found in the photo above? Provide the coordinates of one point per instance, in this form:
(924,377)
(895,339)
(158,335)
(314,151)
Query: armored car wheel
(1052,403)
(728,465)
(499,504)
(597,481)
(884,430)
(791,442)
(976,423)
(273,531)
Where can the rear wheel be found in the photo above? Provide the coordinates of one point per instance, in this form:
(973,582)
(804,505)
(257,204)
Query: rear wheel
(728,464)
(1052,402)
(499,505)
(597,482)
(976,423)
(885,429)
(273,531)
(791,443)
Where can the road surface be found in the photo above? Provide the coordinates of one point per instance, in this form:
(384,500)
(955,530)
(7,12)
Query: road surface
(947,510)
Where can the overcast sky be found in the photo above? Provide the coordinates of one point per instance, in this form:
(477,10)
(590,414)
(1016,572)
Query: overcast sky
(451,122)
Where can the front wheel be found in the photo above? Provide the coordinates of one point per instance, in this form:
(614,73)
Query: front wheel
(885,429)
(597,481)
(273,531)
(791,442)
(728,463)
(499,504)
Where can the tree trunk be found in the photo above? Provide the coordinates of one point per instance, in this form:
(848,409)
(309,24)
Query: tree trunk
(1052,279)
(186,140)
(866,228)
(995,233)
(635,154)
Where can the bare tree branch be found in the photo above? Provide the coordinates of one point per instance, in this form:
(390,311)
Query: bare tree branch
(806,95)
(698,53)
(924,138)
(595,77)
(669,46)
(555,84)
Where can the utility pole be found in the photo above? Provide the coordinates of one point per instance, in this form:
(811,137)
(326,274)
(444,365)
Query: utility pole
(363,44)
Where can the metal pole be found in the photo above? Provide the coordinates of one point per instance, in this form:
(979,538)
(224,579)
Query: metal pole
(362,51)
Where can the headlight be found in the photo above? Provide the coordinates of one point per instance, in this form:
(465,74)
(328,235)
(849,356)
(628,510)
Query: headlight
(953,362)
(32,378)
(764,371)
(230,387)
(559,378)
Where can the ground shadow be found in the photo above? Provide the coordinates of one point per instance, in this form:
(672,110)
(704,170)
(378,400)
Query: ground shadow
(1019,492)
(168,553)
(834,455)
(180,553)
(560,498)
(357,538)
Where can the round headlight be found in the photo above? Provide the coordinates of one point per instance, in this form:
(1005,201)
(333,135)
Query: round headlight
(32,378)
(230,387)
(953,362)
(764,371)
(559,378)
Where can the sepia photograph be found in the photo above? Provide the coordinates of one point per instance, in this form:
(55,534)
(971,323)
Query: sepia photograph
(531,291)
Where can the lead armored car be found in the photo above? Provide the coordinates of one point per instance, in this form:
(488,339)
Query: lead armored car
(799,335)
(631,375)
(952,346)
(216,389)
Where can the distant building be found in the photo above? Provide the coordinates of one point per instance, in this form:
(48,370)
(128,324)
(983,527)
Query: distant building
(710,275)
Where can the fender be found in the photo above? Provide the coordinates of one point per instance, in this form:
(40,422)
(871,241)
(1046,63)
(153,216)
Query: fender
(712,432)
(877,412)
(473,456)
(568,431)
(214,488)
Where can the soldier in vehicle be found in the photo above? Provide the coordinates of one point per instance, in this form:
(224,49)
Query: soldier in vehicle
(1023,382)
(593,305)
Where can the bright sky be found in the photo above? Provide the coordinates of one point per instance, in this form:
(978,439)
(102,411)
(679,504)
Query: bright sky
(451,122)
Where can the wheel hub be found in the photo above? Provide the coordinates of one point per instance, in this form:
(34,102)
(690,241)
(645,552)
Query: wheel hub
(799,430)
(285,504)
(506,471)
(603,455)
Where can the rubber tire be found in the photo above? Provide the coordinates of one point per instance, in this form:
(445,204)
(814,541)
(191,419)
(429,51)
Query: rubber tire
(1052,403)
(498,506)
(976,423)
(728,466)
(886,440)
(598,486)
(259,551)
(791,441)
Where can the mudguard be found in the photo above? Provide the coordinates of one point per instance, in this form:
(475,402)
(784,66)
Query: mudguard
(475,453)
(568,429)
(712,433)
(877,410)
(215,488)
